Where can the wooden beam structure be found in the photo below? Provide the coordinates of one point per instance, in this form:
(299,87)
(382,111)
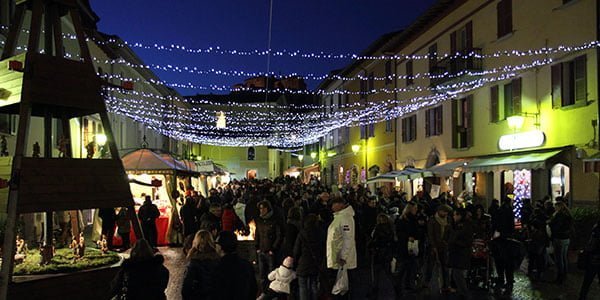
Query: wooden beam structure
(52,86)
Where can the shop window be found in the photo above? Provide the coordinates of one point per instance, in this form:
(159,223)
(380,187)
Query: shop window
(409,73)
(520,181)
(462,122)
(512,98)
(504,13)
(409,129)
(569,83)
(433,121)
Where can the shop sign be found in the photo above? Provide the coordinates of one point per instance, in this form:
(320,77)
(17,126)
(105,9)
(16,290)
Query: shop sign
(205,166)
(521,140)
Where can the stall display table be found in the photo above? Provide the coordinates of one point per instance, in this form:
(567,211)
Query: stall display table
(162,224)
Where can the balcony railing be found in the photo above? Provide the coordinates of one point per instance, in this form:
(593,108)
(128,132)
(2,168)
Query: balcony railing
(456,68)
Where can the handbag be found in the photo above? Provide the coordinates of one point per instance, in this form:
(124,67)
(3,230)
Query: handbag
(122,294)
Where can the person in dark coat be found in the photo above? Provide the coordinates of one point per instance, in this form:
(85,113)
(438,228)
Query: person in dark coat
(309,252)
(437,236)
(460,242)
(148,214)
(211,220)
(292,228)
(561,226)
(203,261)
(381,247)
(592,256)
(109,219)
(234,277)
(188,217)
(268,240)
(537,240)
(503,226)
(407,231)
(142,276)
(124,227)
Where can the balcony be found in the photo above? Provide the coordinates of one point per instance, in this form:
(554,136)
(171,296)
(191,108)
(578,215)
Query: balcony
(453,70)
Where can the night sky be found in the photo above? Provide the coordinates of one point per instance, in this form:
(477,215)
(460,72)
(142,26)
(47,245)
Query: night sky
(336,26)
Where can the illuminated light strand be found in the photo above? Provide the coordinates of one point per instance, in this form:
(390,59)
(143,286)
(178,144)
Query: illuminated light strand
(191,132)
(324,55)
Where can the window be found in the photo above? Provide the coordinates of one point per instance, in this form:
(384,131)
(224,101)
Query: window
(363,132)
(372,130)
(367,131)
(251,153)
(432,54)
(409,129)
(389,125)
(569,83)
(388,72)
(363,87)
(433,121)
(462,122)
(409,73)
(512,98)
(461,40)
(504,12)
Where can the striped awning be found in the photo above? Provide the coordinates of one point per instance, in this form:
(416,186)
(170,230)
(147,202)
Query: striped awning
(393,176)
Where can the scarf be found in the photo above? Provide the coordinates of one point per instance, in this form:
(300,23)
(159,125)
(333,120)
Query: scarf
(443,223)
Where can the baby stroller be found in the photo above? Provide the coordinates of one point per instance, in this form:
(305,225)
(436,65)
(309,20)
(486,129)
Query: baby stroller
(479,275)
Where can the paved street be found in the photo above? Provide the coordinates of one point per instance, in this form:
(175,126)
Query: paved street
(524,288)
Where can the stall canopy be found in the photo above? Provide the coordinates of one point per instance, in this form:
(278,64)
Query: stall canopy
(406,173)
(147,161)
(531,160)
(446,169)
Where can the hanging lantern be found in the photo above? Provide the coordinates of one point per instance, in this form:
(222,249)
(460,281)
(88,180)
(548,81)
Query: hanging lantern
(221,123)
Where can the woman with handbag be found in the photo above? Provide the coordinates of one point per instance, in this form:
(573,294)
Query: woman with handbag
(592,261)
(142,276)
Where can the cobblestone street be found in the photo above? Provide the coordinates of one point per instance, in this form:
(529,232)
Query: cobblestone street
(524,288)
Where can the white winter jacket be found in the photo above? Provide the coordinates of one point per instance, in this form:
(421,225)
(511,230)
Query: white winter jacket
(281,278)
(340,239)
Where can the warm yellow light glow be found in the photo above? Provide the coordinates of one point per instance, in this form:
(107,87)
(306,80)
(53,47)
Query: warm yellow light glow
(300,157)
(331,153)
(515,122)
(221,122)
(355,148)
(101,139)
(313,155)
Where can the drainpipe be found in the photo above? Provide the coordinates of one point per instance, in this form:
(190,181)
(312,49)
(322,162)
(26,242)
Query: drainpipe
(598,76)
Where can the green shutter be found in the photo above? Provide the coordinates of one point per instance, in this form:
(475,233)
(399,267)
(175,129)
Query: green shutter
(580,79)
(438,120)
(516,95)
(427,122)
(494,104)
(454,123)
(469,119)
(556,71)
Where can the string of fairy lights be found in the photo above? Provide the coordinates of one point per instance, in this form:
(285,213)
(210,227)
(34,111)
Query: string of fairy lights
(293,125)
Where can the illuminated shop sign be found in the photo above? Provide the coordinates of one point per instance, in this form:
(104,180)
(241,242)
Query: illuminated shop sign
(521,140)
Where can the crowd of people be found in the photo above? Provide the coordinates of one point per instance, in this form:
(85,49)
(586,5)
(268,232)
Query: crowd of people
(308,234)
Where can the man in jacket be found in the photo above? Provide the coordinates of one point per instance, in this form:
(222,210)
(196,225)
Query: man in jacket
(148,214)
(233,277)
(341,245)
(268,240)
(503,226)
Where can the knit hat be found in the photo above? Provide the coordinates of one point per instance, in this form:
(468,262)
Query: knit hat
(288,262)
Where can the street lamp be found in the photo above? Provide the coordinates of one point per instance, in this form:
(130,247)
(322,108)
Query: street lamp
(515,122)
(355,148)
(300,157)
(313,155)
(101,139)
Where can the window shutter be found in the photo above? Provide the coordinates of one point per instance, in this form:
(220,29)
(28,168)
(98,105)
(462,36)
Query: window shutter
(469,120)
(469,31)
(556,71)
(500,18)
(516,95)
(432,56)
(454,123)
(372,130)
(580,79)
(438,120)
(413,128)
(453,43)
(494,104)
(508,16)
(404,125)
(409,73)
(427,122)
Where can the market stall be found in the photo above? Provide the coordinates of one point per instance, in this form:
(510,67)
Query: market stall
(165,179)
